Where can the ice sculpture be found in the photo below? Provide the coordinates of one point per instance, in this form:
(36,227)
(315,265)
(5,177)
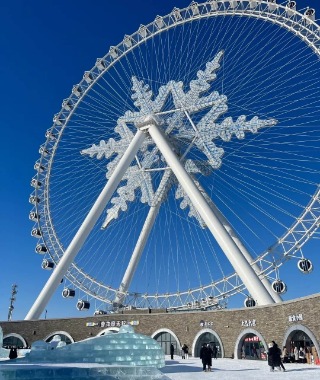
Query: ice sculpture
(123,355)
(4,353)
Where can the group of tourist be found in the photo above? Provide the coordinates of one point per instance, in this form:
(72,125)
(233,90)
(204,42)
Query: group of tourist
(295,355)
(206,354)
(184,351)
(276,356)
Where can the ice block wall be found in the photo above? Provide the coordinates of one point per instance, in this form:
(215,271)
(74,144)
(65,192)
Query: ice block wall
(4,353)
(125,348)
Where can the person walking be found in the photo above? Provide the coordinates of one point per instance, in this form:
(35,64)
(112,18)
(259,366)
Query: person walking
(301,355)
(243,352)
(13,354)
(296,354)
(209,358)
(285,354)
(214,351)
(204,357)
(185,352)
(277,356)
(270,357)
(171,350)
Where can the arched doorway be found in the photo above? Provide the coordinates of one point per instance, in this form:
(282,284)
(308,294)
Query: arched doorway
(300,336)
(65,337)
(207,336)
(165,337)
(14,340)
(252,348)
(300,339)
(250,345)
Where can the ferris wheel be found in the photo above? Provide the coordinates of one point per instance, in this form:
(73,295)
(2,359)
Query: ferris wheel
(183,169)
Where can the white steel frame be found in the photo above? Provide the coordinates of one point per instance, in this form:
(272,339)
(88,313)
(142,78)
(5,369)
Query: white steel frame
(287,246)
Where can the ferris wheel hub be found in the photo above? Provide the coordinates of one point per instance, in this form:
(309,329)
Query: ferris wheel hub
(147,121)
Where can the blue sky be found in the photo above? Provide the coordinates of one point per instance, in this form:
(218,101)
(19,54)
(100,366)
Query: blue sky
(45,49)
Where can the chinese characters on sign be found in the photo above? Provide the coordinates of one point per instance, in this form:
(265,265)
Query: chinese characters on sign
(252,339)
(118,323)
(205,323)
(248,323)
(294,318)
(112,323)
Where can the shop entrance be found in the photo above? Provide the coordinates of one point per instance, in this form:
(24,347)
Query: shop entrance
(299,340)
(252,348)
(165,339)
(207,337)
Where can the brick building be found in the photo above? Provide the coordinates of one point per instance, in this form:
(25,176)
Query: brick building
(235,332)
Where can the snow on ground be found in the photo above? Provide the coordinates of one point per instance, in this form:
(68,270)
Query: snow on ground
(223,369)
(229,369)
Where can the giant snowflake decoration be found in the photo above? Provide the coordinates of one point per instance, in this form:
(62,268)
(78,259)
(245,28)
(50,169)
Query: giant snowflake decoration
(182,133)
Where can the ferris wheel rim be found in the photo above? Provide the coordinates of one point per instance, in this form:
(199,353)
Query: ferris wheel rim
(60,121)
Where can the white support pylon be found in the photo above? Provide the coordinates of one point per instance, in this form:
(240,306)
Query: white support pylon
(144,235)
(85,229)
(234,236)
(228,246)
(276,297)
(136,255)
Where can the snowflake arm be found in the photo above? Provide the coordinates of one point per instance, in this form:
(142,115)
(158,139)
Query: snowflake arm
(135,178)
(111,147)
(184,134)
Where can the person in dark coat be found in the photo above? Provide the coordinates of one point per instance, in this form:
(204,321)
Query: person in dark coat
(277,356)
(274,357)
(171,350)
(185,352)
(214,351)
(204,356)
(209,359)
(13,354)
(270,357)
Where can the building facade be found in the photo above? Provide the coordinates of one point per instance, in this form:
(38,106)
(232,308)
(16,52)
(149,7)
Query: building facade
(238,333)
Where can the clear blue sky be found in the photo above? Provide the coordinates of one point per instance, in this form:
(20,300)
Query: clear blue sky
(45,48)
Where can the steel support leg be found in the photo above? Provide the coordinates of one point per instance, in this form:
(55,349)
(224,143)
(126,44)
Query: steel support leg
(231,250)
(239,244)
(85,229)
(144,235)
